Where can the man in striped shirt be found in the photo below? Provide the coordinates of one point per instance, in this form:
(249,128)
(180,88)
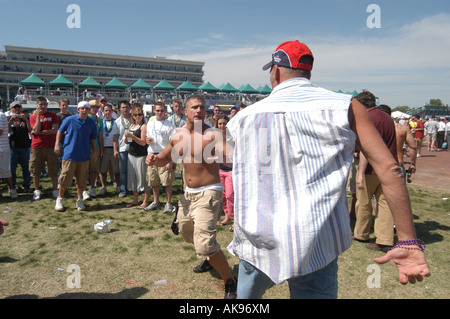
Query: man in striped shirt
(292,155)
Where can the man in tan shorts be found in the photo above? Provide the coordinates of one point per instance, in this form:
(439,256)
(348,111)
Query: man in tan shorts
(80,136)
(159,132)
(201,204)
(44,125)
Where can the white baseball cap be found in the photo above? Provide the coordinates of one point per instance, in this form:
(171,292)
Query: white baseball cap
(83,104)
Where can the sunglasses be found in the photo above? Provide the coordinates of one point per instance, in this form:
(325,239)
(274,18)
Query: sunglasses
(140,114)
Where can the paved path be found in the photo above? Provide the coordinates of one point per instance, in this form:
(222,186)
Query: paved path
(433,169)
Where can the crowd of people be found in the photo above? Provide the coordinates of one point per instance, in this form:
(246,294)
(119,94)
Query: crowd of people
(277,170)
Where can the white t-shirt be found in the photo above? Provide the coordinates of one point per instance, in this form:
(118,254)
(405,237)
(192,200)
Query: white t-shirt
(110,129)
(159,133)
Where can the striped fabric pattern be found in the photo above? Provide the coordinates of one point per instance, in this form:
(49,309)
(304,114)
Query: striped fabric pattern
(293,152)
(4,141)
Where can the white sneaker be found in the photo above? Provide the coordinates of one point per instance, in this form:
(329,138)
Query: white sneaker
(80,205)
(13,193)
(37,195)
(169,208)
(55,194)
(102,192)
(92,193)
(59,204)
(86,195)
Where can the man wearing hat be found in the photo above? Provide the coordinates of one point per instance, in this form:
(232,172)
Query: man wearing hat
(291,160)
(20,143)
(80,137)
(97,154)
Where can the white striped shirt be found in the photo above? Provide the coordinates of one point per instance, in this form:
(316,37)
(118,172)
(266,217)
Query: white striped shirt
(293,151)
(4,141)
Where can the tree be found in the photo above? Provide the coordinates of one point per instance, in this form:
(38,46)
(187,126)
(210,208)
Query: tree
(435,102)
(404,109)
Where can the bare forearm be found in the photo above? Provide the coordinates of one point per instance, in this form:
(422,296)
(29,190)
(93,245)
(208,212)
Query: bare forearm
(397,197)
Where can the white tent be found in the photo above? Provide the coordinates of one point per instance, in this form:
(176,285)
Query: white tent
(398,114)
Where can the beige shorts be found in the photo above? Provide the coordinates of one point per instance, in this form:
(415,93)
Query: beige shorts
(419,141)
(160,176)
(95,165)
(69,169)
(39,156)
(109,160)
(4,165)
(197,218)
(431,137)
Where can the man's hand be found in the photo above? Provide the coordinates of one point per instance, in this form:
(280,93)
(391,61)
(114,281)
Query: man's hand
(151,159)
(3,223)
(411,264)
(57,149)
(359,180)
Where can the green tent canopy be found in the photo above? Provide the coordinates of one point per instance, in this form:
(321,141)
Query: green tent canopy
(115,83)
(141,85)
(265,89)
(89,82)
(60,81)
(354,93)
(208,87)
(187,86)
(164,85)
(32,80)
(247,89)
(228,88)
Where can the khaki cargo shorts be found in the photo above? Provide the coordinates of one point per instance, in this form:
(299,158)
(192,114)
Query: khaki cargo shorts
(160,176)
(197,218)
(39,156)
(69,169)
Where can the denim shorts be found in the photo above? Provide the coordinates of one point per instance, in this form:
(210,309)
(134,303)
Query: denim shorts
(321,284)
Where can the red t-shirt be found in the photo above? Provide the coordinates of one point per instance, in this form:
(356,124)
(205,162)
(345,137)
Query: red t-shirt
(419,134)
(48,119)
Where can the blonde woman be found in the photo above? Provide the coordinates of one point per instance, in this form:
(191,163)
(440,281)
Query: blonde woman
(136,138)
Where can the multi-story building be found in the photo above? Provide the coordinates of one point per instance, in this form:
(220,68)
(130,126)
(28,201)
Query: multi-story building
(18,63)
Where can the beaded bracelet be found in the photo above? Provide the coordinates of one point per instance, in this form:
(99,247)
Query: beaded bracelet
(418,242)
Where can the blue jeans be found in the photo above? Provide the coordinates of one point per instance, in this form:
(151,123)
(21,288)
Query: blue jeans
(123,168)
(20,156)
(321,284)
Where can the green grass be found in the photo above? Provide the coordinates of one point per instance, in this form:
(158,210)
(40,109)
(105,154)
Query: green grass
(39,245)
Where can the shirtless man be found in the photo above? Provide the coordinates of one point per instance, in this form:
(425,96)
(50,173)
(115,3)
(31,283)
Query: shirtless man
(201,204)
(402,135)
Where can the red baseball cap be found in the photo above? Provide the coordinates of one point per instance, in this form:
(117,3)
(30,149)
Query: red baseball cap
(289,54)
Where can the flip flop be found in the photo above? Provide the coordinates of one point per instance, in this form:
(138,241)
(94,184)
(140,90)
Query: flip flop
(142,206)
(223,224)
(131,205)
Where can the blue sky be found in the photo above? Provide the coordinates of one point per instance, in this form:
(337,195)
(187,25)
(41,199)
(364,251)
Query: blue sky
(404,62)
